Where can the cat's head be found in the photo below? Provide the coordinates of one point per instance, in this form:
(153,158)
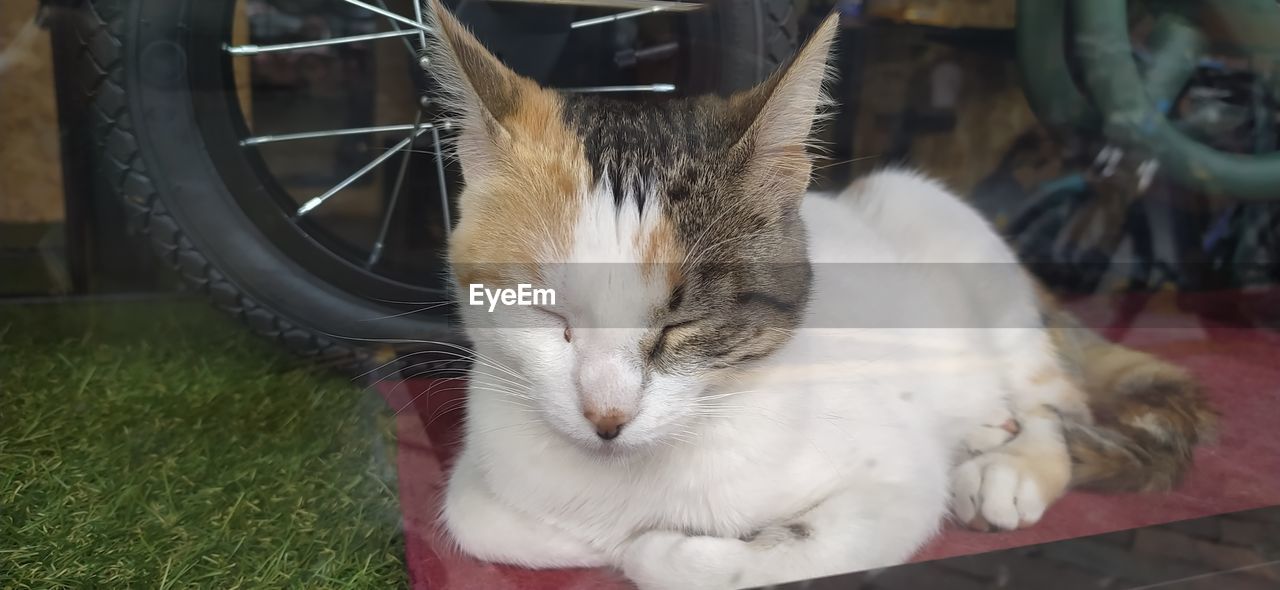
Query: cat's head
(668,231)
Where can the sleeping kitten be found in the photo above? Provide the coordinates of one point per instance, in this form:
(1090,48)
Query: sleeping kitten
(737,385)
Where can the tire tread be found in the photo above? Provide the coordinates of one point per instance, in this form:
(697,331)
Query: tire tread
(122,170)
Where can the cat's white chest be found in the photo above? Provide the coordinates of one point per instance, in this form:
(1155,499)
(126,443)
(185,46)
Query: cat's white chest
(724,482)
(797,437)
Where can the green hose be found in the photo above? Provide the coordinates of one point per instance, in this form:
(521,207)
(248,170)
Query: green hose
(1176,47)
(1040,33)
(1102,43)
(1134,104)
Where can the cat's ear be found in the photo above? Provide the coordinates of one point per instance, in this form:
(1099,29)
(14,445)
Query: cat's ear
(491,100)
(781,112)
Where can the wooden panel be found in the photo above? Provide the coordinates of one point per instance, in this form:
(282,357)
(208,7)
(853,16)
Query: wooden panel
(30,165)
(982,14)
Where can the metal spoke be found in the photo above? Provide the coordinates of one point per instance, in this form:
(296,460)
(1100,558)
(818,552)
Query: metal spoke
(388,14)
(616,4)
(417,15)
(376,252)
(261,139)
(630,57)
(310,206)
(444,190)
(405,27)
(256,49)
(634,88)
(614,17)
(394,25)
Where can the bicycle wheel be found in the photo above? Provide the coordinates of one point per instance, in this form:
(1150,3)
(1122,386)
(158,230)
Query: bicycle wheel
(199,145)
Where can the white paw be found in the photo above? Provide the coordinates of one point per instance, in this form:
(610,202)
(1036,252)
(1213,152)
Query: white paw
(999,429)
(997,490)
(665,560)
(989,437)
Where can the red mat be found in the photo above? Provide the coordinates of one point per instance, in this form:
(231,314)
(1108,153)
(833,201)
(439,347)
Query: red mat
(1240,368)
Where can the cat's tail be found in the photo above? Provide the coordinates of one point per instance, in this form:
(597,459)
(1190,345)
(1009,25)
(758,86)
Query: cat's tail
(1148,414)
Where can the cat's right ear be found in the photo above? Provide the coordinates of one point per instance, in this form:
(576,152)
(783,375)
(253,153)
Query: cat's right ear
(490,99)
(780,114)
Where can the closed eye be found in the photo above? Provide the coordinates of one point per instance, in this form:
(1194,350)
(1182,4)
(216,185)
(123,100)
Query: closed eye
(551,313)
(667,330)
(669,327)
(564,321)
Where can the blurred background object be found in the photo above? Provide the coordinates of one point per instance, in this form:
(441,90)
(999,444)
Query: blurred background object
(956,14)
(299,111)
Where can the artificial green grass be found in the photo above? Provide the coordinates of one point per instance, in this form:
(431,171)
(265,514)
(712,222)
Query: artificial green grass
(158,445)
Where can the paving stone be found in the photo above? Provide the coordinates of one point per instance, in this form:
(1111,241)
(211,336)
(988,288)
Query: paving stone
(1203,528)
(924,577)
(1165,543)
(1119,562)
(1226,581)
(1227,557)
(1247,533)
(1043,574)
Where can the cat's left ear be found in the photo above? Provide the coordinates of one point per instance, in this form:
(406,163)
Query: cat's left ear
(782,111)
(495,103)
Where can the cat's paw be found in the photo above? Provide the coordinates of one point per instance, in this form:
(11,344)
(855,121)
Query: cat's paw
(665,560)
(999,429)
(998,491)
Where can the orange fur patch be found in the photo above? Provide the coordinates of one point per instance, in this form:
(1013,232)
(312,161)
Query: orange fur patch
(523,213)
(660,251)
(525,169)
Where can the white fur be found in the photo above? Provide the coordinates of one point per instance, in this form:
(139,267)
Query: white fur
(849,433)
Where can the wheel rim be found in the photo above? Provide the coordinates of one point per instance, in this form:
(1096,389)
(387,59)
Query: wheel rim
(374,266)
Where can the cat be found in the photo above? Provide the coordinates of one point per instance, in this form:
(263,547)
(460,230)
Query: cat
(740,384)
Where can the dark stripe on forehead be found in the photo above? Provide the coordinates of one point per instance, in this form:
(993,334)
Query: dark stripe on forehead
(643,146)
(677,297)
(756,297)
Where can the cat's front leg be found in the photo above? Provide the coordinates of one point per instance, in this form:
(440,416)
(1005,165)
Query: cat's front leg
(487,529)
(999,428)
(667,560)
(1010,487)
(851,531)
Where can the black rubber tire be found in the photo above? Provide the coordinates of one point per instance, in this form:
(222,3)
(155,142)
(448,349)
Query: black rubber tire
(740,42)
(142,123)
(767,30)
(151,152)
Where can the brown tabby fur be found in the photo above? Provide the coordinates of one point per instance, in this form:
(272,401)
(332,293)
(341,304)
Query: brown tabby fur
(1148,413)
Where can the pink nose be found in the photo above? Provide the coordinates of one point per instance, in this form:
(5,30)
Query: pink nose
(608,423)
